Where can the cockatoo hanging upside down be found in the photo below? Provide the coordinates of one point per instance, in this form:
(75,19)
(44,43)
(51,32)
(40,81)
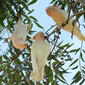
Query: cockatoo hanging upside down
(39,53)
(19,35)
(60,17)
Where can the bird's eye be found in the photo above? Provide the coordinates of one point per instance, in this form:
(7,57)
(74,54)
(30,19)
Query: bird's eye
(25,44)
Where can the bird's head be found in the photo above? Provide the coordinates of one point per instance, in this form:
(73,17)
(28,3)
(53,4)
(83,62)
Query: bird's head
(38,36)
(52,10)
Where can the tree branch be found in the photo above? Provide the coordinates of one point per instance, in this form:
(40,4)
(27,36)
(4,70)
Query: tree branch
(56,40)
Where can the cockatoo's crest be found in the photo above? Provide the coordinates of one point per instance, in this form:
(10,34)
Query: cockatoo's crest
(51,10)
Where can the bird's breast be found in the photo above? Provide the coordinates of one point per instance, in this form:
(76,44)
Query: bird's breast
(41,48)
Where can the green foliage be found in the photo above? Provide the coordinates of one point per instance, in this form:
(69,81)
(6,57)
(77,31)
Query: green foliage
(32,2)
(16,66)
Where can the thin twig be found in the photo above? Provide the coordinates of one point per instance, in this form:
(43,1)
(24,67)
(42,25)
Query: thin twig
(52,32)
(72,30)
(69,14)
(50,28)
(58,31)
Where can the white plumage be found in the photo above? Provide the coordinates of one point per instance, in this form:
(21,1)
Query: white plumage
(19,35)
(60,17)
(39,53)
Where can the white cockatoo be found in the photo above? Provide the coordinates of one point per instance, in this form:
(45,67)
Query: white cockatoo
(19,35)
(60,16)
(39,53)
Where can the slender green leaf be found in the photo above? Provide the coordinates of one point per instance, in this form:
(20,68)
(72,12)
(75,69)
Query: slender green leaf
(5,57)
(55,3)
(61,80)
(77,50)
(38,24)
(24,5)
(31,11)
(81,56)
(77,77)
(69,45)
(74,50)
(74,67)
(81,83)
(61,75)
(64,45)
(33,18)
(52,1)
(83,70)
(83,50)
(59,44)
(73,62)
(26,1)
(77,74)
(32,2)
(0,59)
